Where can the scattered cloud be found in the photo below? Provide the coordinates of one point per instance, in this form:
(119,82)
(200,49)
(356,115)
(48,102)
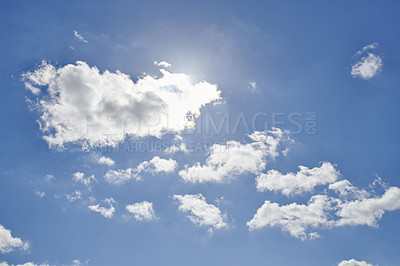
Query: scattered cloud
(346,190)
(48,178)
(368,64)
(9,243)
(74,196)
(305,180)
(201,213)
(120,176)
(155,165)
(162,64)
(177,148)
(40,194)
(354,262)
(234,158)
(253,87)
(106,212)
(86,107)
(3,263)
(80,177)
(297,219)
(354,206)
(106,161)
(142,211)
(368,211)
(79,37)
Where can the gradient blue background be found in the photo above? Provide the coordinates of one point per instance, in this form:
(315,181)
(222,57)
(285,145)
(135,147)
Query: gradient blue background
(299,53)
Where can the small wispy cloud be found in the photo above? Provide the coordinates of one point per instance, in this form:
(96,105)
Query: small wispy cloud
(253,87)
(79,37)
(368,64)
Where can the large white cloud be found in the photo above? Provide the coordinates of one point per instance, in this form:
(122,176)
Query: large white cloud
(354,206)
(368,65)
(155,165)
(142,211)
(202,213)
(106,212)
(353,262)
(304,180)
(9,243)
(297,219)
(368,211)
(235,158)
(87,107)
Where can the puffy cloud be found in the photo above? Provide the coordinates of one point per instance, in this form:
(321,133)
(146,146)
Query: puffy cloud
(201,213)
(346,190)
(79,37)
(106,212)
(353,207)
(305,180)
(234,158)
(162,64)
(368,211)
(143,211)
(90,108)
(9,243)
(354,262)
(368,66)
(80,177)
(297,219)
(120,176)
(106,161)
(155,165)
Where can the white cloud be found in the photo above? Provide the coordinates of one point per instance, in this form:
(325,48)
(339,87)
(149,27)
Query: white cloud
(162,64)
(253,87)
(143,211)
(49,177)
(106,161)
(304,180)
(234,158)
(367,66)
(297,219)
(346,190)
(89,108)
(106,212)
(353,207)
(74,196)
(40,194)
(9,243)
(368,211)
(79,37)
(201,213)
(80,177)
(155,165)
(354,262)
(120,176)
(3,263)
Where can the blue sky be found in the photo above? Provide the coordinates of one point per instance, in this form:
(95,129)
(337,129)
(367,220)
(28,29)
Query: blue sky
(310,84)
